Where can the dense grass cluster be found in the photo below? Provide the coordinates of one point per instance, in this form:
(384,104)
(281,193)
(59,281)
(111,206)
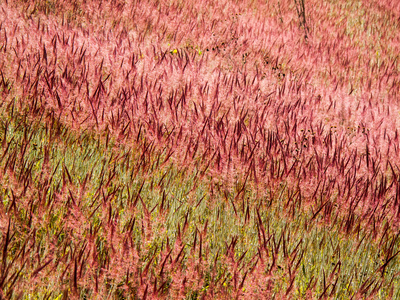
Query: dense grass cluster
(199,149)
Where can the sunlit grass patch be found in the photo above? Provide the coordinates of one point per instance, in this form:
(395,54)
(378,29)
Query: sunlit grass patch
(181,150)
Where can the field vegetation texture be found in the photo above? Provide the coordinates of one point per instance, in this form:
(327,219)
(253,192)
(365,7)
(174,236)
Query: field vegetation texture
(200,149)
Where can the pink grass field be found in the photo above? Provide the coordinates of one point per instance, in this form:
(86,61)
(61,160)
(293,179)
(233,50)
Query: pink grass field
(199,149)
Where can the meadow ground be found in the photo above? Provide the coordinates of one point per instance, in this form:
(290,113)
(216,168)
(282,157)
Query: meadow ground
(199,149)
